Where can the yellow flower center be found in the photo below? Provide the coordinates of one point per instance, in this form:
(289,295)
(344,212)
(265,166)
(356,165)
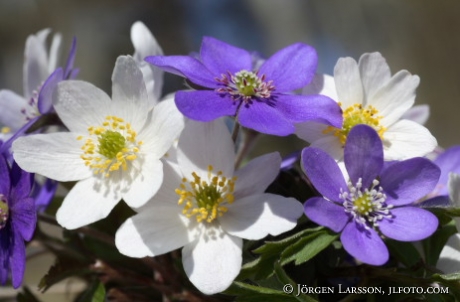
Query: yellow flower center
(6,130)
(354,115)
(4,211)
(247,82)
(110,146)
(206,199)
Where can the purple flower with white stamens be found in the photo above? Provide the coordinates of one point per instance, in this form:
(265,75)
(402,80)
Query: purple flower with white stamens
(259,97)
(375,201)
(17,221)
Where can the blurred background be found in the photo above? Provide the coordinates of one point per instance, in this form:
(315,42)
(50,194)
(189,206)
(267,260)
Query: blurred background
(420,36)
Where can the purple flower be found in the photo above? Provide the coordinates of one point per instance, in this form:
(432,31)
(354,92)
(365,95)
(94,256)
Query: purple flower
(17,221)
(375,201)
(260,98)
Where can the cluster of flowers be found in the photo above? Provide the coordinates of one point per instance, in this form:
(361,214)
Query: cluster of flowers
(172,160)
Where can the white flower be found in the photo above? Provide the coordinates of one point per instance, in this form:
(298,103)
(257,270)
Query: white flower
(38,65)
(208,208)
(145,45)
(113,148)
(368,94)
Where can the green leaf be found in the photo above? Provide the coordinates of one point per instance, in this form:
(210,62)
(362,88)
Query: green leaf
(307,247)
(249,293)
(452,281)
(286,280)
(94,293)
(433,245)
(405,252)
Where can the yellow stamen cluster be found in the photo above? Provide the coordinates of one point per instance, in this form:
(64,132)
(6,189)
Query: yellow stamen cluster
(354,115)
(110,146)
(206,199)
(6,130)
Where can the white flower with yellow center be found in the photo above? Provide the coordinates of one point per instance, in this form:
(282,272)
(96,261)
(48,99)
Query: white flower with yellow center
(113,148)
(368,94)
(208,208)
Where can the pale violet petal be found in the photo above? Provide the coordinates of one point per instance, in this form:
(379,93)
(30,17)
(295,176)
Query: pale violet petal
(129,95)
(163,126)
(310,131)
(156,230)
(254,217)
(348,82)
(213,261)
(54,155)
(87,202)
(257,175)
(145,178)
(12,104)
(406,139)
(53,56)
(322,84)
(454,194)
(449,259)
(80,105)
(35,68)
(374,71)
(206,144)
(418,114)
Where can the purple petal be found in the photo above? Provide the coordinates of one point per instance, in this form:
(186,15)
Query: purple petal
(45,97)
(45,194)
(5,182)
(448,161)
(364,245)
(17,260)
(291,68)
(21,181)
(409,224)
(312,108)
(70,60)
(264,118)
(363,154)
(187,67)
(323,172)
(204,105)
(24,217)
(407,181)
(326,213)
(220,57)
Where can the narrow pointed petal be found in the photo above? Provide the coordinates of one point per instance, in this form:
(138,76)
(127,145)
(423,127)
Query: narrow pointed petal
(187,67)
(407,181)
(54,155)
(448,161)
(205,105)
(213,261)
(70,60)
(87,202)
(348,82)
(5,184)
(291,68)
(220,57)
(323,172)
(12,104)
(365,245)
(409,224)
(256,216)
(45,97)
(35,67)
(374,72)
(326,213)
(363,154)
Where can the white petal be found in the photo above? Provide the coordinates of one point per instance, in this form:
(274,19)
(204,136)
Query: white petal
(53,56)
(35,68)
(157,230)
(80,105)
(348,82)
(87,202)
(129,94)
(205,144)
(144,180)
(454,194)
(310,131)
(418,114)
(257,216)
(406,139)
(257,175)
(145,45)
(449,259)
(213,261)
(12,104)
(163,126)
(322,84)
(331,145)
(374,71)
(396,97)
(54,155)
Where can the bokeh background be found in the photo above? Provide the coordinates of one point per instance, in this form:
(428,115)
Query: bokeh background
(420,36)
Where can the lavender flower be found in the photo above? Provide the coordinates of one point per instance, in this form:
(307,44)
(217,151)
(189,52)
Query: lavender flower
(375,201)
(17,221)
(260,98)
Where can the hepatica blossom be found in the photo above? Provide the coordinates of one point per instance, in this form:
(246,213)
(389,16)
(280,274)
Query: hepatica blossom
(368,94)
(113,148)
(374,201)
(208,208)
(260,99)
(17,221)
